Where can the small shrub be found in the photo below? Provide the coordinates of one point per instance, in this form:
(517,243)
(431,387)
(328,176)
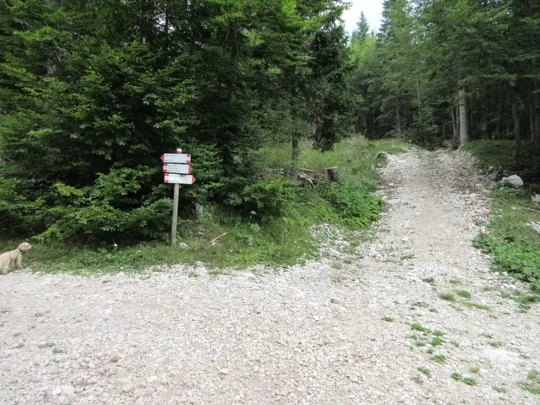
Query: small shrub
(388,319)
(499,389)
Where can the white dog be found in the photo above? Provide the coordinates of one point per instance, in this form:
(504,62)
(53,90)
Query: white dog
(13,257)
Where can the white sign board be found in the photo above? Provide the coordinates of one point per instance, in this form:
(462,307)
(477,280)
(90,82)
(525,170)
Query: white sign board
(178,169)
(176,158)
(179,179)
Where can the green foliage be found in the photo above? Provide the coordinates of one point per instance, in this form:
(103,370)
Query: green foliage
(532,384)
(267,222)
(269,198)
(93,94)
(439,358)
(425,371)
(512,244)
(464,293)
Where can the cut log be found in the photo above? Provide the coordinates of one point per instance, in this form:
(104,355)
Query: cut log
(332,174)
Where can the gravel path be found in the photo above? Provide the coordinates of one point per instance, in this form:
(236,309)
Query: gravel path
(307,335)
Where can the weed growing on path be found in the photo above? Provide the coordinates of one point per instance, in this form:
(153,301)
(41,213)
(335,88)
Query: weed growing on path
(425,371)
(474,370)
(447,297)
(439,358)
(464,294)
(477,306)
(388,319)
(499,389)
(532,384)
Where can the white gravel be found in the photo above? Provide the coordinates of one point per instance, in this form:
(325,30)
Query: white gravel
(309,334)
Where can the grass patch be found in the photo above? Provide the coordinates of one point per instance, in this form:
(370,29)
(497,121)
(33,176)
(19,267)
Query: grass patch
(424,371)
(439,358)
(499,389)
(464,294)
(277,232)
(456,377)
(436,341)
(46,345)
(474,370)
(455,282)
(388,319)
(447,297)
(464,380)
(532,384)
(477,306)
(496,344)
(419,328)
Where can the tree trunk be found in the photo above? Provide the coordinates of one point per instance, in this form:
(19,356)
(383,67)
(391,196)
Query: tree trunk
(294,157)
(536,137)
(419,102)
(454,127)
(463,118)
(517,132)
(398,123)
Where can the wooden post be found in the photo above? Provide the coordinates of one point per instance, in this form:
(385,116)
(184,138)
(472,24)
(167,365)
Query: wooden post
(175,214)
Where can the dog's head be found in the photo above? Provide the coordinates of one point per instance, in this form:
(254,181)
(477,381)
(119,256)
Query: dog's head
(23,247)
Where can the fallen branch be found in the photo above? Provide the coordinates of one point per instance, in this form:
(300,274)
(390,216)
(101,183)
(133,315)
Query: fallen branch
(213,241)
(529,209)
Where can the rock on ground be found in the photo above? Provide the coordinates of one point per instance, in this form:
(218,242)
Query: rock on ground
(313,334)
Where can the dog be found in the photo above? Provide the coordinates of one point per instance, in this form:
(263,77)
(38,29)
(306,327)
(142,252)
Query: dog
(13,257)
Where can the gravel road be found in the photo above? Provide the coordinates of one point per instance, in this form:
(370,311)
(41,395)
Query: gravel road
(312,334)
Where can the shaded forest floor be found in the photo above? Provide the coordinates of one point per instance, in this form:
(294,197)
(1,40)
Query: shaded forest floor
(413,316)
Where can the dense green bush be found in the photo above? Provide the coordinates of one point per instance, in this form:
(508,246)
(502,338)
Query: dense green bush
(353,202)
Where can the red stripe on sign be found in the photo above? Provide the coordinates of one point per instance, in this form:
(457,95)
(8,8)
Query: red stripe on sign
(193,180)
(162,157)
(188,158)
(190,169)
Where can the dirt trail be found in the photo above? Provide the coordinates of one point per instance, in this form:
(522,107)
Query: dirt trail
(307,335)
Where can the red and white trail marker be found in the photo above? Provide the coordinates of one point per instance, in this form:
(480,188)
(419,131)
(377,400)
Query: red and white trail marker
(179,179)
(178,169)
(176,158)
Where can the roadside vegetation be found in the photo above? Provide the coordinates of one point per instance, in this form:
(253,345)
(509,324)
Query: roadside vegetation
(277,226)
(513,243)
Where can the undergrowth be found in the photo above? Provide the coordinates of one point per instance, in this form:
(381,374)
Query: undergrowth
(511,242)
(268,224)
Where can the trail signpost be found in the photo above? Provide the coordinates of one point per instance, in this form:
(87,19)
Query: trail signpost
(176,167)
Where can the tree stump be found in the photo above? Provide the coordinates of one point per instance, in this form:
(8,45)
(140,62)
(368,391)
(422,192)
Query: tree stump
(332,174)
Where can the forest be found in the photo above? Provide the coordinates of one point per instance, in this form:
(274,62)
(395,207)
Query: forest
(92,93)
